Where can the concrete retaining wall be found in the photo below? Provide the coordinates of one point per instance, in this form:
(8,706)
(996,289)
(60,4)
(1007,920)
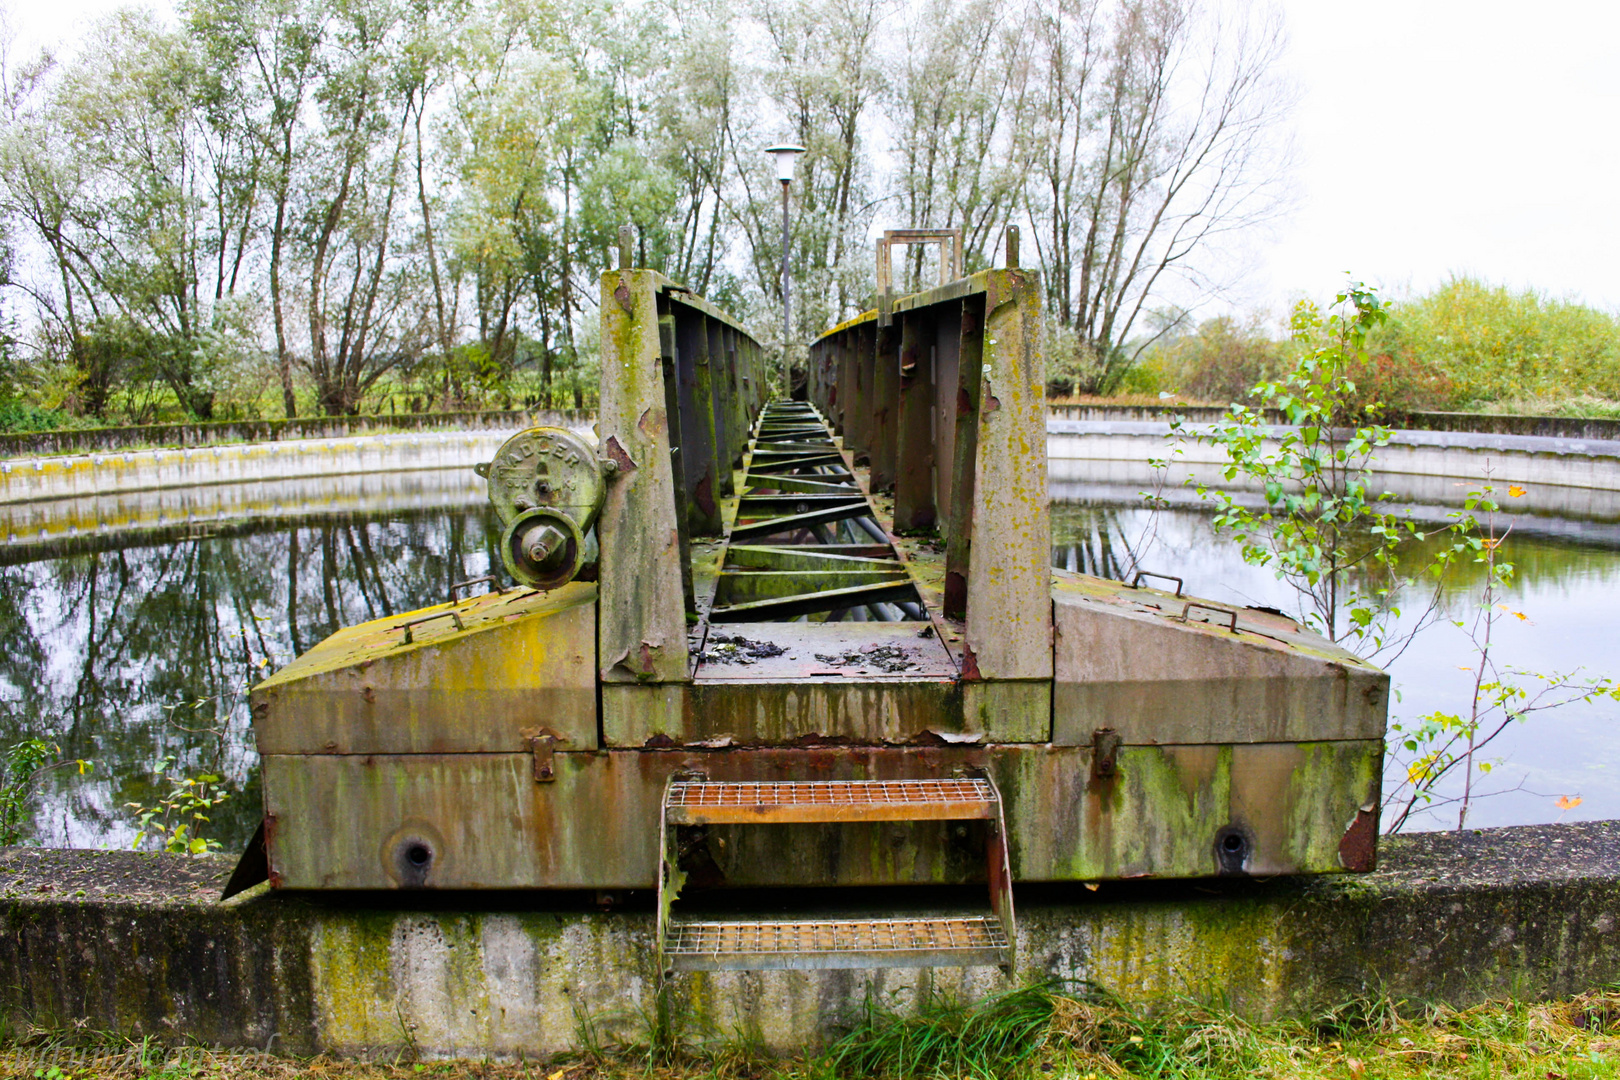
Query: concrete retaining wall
(48,499)
(1579,477)
(108,439)
(135,943)
(87,475)
(1554,427)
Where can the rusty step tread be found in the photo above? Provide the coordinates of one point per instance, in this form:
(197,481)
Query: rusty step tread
(943,941)
(705,802)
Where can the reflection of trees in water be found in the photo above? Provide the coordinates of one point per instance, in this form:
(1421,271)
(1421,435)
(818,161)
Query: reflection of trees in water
(1107,541)
(127,656)
(1095,540)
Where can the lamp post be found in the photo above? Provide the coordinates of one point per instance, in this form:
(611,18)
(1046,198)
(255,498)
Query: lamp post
(787,156)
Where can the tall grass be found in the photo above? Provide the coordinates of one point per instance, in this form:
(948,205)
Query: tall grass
(1032,1033)
(983,1040)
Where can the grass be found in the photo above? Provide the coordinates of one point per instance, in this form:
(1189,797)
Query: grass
(1033,1033)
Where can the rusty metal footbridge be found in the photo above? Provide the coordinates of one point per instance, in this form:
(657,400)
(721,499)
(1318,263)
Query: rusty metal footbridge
(748,646)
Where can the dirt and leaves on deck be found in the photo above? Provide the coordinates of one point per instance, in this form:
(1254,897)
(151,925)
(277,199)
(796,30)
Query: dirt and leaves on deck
(1034,1032)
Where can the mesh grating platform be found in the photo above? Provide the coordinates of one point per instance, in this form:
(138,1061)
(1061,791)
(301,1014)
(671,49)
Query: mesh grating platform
(836,943)
(705,802)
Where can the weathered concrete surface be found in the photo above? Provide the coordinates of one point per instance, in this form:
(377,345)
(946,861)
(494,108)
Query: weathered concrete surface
(1558,427)
(48,499)
(242,463)
(87,440)
(136,943)
(1579,477)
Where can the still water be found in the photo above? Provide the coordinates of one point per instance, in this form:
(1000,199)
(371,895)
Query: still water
(129,652)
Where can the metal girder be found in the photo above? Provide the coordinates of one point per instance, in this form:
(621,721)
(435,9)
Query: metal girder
(809,487)
(788,607)
(824,516)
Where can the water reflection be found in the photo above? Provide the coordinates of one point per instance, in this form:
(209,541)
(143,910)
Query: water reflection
(130,650)
(1567,583)
(126,655)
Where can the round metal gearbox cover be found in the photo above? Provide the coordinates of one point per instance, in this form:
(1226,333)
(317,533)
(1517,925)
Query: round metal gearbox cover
(546,467)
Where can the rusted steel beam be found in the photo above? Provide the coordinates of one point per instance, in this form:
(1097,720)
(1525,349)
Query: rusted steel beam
(788,607)
(914,481)
(700,458)
(771,464)
(800,484)
(883,448)
(947,356)
(753,506)
(672,406)
(800,557)
(824,516)
(744,586)
(344,821)
(858,398)
(964,413)
(728,436)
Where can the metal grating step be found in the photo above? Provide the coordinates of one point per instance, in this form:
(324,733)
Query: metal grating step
(943,941)
(702,802)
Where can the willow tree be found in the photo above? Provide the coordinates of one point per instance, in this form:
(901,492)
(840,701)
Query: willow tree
(1160,132)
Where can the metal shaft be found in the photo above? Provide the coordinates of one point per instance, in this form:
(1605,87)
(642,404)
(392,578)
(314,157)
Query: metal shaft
(787,322)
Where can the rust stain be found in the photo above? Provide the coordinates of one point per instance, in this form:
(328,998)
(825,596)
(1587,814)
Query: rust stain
(653,422)
(703,495)
(622,295)
(659,741)
(276,878)
(970,664)
(617,455)
(816,738)
(991,403)
(964,404)
(1358,848)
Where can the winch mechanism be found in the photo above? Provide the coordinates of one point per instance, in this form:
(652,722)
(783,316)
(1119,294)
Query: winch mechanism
(547,487)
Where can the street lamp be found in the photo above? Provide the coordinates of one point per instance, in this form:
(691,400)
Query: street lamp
(787,155)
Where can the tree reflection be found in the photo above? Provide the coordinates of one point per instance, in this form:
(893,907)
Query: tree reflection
(125,655)
(1095,540)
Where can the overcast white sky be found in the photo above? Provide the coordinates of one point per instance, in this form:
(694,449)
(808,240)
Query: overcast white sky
(1434,137)
(1443,136)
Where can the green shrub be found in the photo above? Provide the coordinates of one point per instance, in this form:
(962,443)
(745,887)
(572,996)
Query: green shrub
(1220,361)
(1478,343)
(18,416)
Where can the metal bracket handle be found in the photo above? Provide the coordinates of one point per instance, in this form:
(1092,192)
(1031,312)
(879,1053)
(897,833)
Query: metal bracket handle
(1136,579)
(1228,612)
(429,618)
(495,585)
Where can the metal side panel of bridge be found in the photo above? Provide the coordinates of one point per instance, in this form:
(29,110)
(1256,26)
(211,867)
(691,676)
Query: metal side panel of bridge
(762,643)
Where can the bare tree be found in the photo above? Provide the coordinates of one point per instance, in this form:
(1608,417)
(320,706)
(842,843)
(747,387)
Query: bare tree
(960,103)
(1161,134)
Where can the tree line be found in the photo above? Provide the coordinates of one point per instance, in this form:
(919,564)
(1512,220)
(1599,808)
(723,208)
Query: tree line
(275,206)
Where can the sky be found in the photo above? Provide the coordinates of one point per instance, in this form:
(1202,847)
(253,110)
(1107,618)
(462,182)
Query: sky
(1440,137)
(1434,137)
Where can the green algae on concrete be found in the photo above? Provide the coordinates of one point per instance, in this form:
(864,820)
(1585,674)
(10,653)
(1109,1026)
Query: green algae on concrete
(147,951)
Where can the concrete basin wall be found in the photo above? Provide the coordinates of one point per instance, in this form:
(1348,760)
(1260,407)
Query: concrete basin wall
(137,944)
(1561,475)
(49,498)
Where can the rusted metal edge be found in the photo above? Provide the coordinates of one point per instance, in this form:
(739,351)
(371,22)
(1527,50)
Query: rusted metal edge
(811,603)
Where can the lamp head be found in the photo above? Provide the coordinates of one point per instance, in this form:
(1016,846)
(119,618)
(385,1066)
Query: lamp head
(787,155)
